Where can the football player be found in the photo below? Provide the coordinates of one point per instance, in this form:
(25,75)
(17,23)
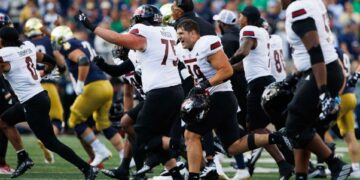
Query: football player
(208,64)
(155,50)
(255,61)
(314,54)
(126,70)
(89,81)
(277,61)
(17,62)
(346,119)
(33,31)
(5,103)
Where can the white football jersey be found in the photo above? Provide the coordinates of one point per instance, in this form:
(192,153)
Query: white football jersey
(197,63)
(131,78)
(303,9)
(23,76)
(158,62)
(277,58)
(347,65)
(257,62)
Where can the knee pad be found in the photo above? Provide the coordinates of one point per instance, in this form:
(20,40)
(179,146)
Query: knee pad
(109,132)
(57,123)
(80,128)
(301,139)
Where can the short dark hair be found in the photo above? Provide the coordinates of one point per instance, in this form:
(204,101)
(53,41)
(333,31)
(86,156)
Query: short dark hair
(9,37)
(189,25)
(185,5)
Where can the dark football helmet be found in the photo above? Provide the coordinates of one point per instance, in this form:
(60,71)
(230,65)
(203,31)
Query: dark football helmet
(120,52)
(5,20)
(147,14)
(274,101)
(195,108)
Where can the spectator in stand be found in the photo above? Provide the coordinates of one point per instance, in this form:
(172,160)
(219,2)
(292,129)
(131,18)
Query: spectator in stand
(349,14)
(51,16)
(30,10)
(348,41)
(105,10)
(202,9)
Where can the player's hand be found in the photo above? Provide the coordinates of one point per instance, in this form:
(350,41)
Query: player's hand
(200,88)
(353,79)
(329,106)
(98,60)
(54,75)
(85,21)
(79,88)
(290,81)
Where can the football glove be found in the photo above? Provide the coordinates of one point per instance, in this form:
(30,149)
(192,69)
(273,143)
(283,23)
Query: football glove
(98,60)
(329,106)
(79,87)
(54,75)
(200,88)
(353,79)
(290,81)
(85,21)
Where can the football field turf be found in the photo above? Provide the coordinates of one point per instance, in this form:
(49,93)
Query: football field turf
(265,169)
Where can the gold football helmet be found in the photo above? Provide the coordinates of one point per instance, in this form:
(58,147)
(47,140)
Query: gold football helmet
(33,27)
(166,11)
(59,35)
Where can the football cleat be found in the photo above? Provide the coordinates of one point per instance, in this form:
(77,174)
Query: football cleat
(118,173)
(319,171)
(5,169)
(255,155)
(286,171)
(22,167)
(241,174)
(91,173)
(339,169)
(209,172)
(101,155)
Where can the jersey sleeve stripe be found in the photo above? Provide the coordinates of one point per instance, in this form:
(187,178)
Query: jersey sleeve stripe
(187,61)
(298,13)
(248,33)
(134,31)
(215,45)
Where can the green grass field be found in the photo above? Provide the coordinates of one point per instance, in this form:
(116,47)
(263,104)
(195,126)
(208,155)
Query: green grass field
(266,167)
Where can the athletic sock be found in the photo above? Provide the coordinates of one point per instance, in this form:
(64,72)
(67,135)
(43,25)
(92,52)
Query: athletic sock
(355,166)
(22,155)
(121,155)
(97,144)
(194,176)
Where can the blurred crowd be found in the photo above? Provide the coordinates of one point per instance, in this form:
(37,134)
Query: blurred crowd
(116,14)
